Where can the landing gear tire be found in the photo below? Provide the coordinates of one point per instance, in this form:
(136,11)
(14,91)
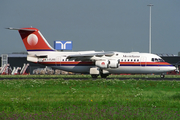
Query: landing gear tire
(162,75)
(104,75)
(94,76)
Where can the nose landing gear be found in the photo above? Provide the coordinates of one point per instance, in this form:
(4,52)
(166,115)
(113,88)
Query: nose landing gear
(162,75)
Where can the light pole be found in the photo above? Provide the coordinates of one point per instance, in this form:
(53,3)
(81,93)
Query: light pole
(150,28)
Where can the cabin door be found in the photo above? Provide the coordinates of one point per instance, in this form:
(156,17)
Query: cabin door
(143,61)
(58,61)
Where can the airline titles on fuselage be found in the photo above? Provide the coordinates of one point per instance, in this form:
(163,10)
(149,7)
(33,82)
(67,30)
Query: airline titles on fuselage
(133,56)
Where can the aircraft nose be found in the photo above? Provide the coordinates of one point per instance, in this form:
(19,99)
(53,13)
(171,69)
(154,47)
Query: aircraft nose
(172,68)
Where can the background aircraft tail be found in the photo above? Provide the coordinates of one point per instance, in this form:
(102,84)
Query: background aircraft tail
(33,39)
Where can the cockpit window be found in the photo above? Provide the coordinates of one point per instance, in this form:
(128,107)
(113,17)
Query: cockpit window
(157,60)
(152,60)
(161,60)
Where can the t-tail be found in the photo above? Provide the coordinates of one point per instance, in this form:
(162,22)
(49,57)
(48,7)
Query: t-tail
(33,40)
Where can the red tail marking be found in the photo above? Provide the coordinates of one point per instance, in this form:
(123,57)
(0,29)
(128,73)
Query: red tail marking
(33,40)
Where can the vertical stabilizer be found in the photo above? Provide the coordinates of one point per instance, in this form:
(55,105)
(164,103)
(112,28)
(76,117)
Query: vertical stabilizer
(33,39)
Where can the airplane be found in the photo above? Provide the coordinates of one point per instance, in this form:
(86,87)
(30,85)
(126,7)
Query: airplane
(91,62)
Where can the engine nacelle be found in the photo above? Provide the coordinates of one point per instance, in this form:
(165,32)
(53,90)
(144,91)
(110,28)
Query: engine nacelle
(102,63)
(107,63)
(113,63)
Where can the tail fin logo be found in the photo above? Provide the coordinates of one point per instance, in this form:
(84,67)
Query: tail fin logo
(32,39)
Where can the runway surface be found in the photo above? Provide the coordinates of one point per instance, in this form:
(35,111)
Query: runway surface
(82,78)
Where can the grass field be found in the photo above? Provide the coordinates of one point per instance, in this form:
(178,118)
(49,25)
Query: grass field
(89,99)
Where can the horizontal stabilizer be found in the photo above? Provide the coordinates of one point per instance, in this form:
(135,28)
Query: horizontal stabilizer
(10,28)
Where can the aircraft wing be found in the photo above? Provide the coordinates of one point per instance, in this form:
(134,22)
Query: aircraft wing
(83,56)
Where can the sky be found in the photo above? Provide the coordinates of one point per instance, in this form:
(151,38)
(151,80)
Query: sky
(108,25)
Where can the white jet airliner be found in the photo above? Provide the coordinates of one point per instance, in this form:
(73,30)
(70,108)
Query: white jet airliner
(94,63)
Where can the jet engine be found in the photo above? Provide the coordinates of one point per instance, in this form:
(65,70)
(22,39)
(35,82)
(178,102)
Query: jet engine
(102,63)
(113,63)
(107,63)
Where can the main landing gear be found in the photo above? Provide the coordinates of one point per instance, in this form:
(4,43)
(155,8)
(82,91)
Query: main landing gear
(94,76)
(95,72)
(102,76)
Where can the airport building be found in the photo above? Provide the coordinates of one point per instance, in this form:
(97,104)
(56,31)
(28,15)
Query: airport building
(16,60)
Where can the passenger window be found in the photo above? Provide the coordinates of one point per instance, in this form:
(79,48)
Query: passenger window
(138,60)
(121,60)
(134,60)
